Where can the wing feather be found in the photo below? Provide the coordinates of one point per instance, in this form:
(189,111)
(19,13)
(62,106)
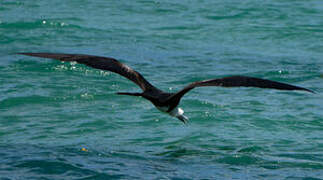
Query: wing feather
(235,81)
(103,63)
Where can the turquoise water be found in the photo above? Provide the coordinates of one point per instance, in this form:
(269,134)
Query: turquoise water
(64,121)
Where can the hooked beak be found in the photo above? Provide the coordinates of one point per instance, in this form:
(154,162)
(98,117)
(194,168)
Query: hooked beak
(183,118)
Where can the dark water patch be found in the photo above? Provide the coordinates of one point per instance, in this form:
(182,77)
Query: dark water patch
(56,161)
(3,9)
(165,11)
(11,3)
(293,164)
(303,178)
(302,156)
(227,17)
(10,119)
(103,176)
(239,160)
(179,28)
(47,167)
(252,149)
(21,101)
(21,25)
(181,153)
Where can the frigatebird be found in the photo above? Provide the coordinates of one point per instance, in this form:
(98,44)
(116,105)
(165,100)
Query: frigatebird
(164,101)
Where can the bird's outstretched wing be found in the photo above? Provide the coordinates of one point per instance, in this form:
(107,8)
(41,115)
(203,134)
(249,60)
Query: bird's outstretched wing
(236,81)
(104,63)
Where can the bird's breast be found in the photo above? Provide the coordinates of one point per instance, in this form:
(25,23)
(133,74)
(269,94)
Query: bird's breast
(176,112)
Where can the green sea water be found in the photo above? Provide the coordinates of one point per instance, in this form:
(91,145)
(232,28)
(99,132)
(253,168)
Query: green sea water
(64,121)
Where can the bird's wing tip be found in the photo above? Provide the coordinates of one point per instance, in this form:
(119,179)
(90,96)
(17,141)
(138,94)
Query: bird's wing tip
(313,92)
(22,53)
(307,90)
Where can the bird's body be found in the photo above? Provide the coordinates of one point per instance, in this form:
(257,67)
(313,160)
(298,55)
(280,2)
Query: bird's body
(164,101)
(159,99)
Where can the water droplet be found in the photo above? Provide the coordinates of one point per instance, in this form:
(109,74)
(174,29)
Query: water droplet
(73,62)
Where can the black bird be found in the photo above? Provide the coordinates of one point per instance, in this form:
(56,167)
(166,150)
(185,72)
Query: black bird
(164,101)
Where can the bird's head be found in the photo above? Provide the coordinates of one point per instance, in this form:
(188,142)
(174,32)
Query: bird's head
(179,113)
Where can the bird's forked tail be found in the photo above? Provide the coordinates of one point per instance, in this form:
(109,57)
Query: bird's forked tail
(129,94)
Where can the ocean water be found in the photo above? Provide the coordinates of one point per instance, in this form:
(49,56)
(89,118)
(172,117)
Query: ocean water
(64,121)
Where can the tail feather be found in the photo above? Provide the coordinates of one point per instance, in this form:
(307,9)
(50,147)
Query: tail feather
(129,94)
